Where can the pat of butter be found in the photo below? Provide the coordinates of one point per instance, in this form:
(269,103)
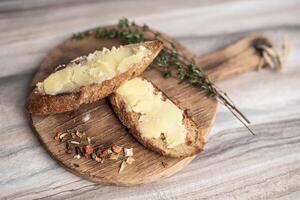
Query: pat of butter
(94,68)
(157,115)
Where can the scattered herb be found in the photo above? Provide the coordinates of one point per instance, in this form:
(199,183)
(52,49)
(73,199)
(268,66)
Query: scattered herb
(116,149)
(122,167)
(128,152)
(114,156)
(77,156)
(89,140)
(80,145)
(130,160)
(168,59)
(74,142)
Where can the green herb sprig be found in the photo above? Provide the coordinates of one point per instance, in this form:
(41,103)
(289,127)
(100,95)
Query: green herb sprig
(169,58)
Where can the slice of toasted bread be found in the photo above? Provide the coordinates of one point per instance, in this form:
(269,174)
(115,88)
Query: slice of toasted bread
(39,103)
(194,140)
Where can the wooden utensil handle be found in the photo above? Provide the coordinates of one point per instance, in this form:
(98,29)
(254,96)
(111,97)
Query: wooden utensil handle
(242,56)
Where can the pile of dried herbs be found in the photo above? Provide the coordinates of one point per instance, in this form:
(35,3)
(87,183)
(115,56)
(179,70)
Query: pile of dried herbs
(80,145)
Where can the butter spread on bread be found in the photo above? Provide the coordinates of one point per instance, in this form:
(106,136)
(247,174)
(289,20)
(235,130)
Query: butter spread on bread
(158,115)
(89,78)
(157,122)
(94,68)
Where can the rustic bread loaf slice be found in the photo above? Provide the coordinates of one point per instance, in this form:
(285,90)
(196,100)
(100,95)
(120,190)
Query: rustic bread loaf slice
(154,120)
(90,78)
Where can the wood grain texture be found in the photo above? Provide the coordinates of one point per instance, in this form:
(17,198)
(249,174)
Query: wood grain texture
(234,165)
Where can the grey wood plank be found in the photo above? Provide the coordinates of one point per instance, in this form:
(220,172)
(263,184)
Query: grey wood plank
(234,165)
(42,27)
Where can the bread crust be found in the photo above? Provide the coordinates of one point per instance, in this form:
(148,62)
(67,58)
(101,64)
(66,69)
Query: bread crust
(43,104)
(194,140)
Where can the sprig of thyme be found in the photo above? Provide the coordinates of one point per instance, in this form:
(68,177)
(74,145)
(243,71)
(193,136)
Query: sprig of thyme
(169,58)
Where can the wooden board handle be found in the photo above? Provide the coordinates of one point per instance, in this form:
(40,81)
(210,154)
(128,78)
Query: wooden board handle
(242,56)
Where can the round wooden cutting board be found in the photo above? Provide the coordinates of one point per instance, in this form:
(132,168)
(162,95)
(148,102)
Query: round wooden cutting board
(105,128)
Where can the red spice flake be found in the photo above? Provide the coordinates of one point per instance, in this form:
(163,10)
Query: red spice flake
(96,158)
(116,149)
(88,150)
(103,153)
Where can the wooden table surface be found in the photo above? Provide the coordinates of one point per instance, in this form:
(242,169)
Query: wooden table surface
(234,165)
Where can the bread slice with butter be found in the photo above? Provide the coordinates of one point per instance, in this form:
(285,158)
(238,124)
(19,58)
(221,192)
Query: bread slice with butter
(154,120)
(90,78)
